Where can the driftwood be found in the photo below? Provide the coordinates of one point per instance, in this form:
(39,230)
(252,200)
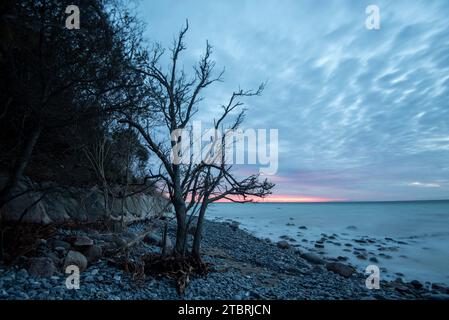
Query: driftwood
(139,238)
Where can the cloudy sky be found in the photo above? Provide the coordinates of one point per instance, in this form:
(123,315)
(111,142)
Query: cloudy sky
(362,114)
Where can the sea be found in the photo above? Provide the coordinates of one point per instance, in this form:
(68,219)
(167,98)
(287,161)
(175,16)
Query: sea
(408,240)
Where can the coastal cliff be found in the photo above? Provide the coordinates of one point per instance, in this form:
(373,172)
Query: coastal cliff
(56,204)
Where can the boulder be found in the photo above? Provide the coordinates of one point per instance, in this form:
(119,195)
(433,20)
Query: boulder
(312,258)
(234,225)
(416,284)
(83,241)
(341,269)
(75,258)
(54,257)
(93,254)
(61,244)
(283,244)
(41,267)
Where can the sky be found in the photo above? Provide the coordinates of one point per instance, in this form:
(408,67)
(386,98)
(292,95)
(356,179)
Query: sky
(362,115)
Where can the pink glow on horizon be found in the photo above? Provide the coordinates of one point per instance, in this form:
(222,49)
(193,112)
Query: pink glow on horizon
(288,198)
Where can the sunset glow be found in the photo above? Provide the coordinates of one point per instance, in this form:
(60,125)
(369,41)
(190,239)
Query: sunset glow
(288,198)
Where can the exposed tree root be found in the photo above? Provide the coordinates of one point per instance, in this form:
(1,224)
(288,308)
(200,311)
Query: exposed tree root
(176,267)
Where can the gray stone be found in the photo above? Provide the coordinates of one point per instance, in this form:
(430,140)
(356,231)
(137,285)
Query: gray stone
(312,258)
(341,269)
(75,258)
(53,257)
(283,244)
(41,267)
(93,254)
(61,244)
(416,284)
(83,241)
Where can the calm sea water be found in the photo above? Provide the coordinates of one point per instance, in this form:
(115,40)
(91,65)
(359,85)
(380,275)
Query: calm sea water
(420,232)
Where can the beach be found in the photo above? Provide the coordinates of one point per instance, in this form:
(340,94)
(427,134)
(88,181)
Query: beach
(404,239)
(242,267)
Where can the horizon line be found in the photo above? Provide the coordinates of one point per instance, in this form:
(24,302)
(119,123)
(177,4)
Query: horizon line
(337,201)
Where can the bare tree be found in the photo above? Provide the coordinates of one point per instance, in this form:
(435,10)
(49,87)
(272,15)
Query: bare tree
(175,98)
(97,156)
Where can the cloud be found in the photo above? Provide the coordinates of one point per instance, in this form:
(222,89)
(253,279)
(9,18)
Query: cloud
(424,185)
(367,108)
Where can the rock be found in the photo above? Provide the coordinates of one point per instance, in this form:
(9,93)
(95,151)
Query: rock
(75,258)
(283,245)
(41,267)
(234,225)
(83,241)
(22,273)
(373,259)
(319,245)
(439,287)
(61,251)
(342,258)
(312,258)
(341,269)
(93,254)
(416,284)
(303,227)
(351,228)
(402,288)
(54,257)
(119,241)
(61,244)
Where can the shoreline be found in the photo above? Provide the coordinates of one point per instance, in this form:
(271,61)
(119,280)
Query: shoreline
(243,267)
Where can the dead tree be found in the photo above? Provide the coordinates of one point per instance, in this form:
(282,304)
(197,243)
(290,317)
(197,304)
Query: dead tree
(175,99)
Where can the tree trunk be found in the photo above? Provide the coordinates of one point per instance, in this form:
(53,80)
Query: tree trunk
(199,232)
(181,231)
(21,163)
